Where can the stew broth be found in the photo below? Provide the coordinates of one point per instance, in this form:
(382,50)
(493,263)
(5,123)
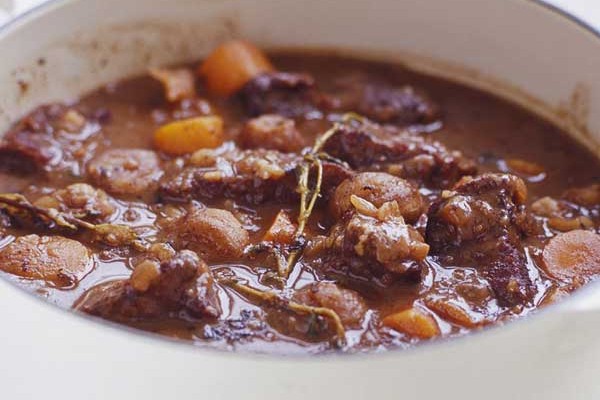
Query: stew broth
(430,254)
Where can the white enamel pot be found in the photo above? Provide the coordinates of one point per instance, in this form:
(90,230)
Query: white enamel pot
(520,49)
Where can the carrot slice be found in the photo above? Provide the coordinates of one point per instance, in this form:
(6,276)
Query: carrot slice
(189,135)
(413,322)
(454,313)
(524,167)
(572,255)
(282,230)
(231,65)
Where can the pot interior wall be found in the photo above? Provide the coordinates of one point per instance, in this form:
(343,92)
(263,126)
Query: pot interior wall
(64,49)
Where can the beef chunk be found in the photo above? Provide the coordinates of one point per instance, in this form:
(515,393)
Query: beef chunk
(481,224)
(51,138)
(180,285)
(396,105)
(252,176)
(55,259)
(272,132)
(347,304)
(382,101)
(130,172)
(287,94)
(378,188)
(368,145)
(249,176)
(374,244)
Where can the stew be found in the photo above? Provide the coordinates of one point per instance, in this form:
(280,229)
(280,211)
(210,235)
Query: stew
(296,203)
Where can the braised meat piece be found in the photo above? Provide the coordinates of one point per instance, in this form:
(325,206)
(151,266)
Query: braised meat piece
(396,105)
(272,132)
(250,176)
(287,94)
(129,172)
(481,224)
(373,243)
(368,145)
(53,138)
(378,188)
(55,259)
(254,176)
(381,101)
(182,284)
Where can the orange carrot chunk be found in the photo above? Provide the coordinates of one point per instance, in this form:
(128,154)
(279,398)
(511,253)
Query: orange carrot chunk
(414,322)
(454,312)
(574,254)
(231,65)
(282,230)
(189,135)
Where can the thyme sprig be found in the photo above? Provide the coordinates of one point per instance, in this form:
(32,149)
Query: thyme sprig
(274,299)
(313,159)
(110,234)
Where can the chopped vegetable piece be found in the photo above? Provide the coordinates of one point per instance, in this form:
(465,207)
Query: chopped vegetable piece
(570,224)
(144,274)
(179,84)
(282,230)
(588,196)
(572,255)
(55,259)
(233,64)
(214,232)
(413,322)
(72,121)
(189,135)
(524,167)
(554,295)
(126,172)
(546,207)
(453,312)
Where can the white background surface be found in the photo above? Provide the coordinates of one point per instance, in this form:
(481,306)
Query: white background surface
(588,10)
